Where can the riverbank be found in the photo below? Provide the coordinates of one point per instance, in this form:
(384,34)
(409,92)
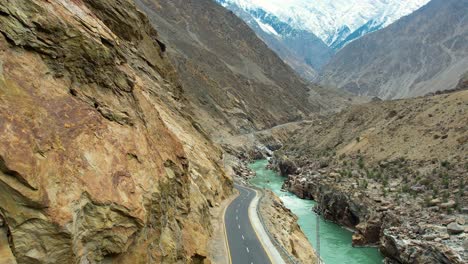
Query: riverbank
(335,241)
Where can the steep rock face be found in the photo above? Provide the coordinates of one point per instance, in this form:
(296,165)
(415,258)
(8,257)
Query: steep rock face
(235,82)
(99,157)
(424,52)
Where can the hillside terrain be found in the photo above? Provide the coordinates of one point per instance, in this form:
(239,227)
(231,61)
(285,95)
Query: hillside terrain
(421,53)
(234,81)
(393,171)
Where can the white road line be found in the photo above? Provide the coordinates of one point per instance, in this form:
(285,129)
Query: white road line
(243,237)
(238,226)
(247,250)
(237,218)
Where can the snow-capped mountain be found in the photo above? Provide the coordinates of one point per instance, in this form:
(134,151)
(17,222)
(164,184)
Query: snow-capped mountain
(335,22)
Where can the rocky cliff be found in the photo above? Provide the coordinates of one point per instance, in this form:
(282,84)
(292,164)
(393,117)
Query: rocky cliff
(100,159)
(424,52)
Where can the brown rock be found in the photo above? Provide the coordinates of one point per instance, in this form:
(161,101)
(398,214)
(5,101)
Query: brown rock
(434,202)
(94,150)
(358,240)
(449,204)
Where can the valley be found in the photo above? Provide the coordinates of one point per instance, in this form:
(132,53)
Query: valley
(206,132)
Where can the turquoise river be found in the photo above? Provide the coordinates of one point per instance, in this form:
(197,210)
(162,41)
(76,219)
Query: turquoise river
(335,241)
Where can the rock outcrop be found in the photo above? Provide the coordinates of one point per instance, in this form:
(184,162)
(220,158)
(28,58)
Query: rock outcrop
(100,159)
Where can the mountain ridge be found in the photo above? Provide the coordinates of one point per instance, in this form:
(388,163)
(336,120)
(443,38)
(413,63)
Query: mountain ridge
(420,53)
(332,22)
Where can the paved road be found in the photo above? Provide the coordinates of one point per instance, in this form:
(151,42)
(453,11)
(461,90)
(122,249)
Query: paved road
(244,245)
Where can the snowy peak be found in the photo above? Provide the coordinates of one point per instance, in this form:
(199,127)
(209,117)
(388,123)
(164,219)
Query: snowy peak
(335,22)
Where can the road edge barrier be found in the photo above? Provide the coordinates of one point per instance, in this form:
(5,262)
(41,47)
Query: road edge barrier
(284,252)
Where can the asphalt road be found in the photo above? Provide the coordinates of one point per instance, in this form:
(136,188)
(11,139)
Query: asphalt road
(244,245)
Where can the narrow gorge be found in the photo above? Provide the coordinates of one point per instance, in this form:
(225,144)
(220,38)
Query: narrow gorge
(129,128)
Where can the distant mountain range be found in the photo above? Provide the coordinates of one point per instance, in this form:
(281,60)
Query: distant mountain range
(421,53)
(307,33)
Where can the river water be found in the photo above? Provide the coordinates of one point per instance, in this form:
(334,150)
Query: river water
(335,241)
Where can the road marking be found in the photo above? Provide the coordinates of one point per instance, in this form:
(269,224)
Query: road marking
(237,217)
(238,226)
(226,240)
(243,237)
(247,250)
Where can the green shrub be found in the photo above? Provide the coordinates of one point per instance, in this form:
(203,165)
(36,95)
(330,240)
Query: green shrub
(427,201)
(364,184)
(445,181)
(445,164)
(405,188)
(361,163)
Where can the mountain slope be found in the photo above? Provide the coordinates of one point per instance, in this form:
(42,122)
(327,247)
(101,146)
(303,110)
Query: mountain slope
(424,52)
(100,161)
(393,171)
(235,82)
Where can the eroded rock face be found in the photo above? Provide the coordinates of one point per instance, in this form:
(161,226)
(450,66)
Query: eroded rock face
(99,159)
